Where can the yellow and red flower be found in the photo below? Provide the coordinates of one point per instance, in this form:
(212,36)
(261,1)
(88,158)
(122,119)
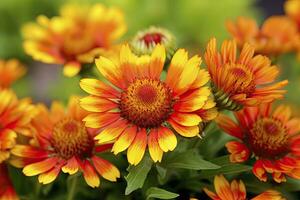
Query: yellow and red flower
(7,191)
(63,143)
(10,71)
(243,81)
(236,190)
(278,34)
(75,37)
(272,137)
(292,9)
(137,109)
(15,116)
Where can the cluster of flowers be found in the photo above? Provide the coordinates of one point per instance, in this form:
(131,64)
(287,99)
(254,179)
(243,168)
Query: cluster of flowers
(133,108)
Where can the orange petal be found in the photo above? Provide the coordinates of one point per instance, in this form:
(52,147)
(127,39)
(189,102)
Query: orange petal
(50,175)
(98,88)
(282,113)
(89,174)
(124,140)
(186,131)
(157,61)
(71,167)
(154,149)
(71,69)
(269,195)
(97,104)
(137,149)
(112,131)
(166,139)
(239,152)
(259,171)
(106,169)
(229,126)
(222,187)
(40,167)
(100,120)
(29,152)
(110,71)
(186,119)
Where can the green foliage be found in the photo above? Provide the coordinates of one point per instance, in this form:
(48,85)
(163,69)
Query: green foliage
(159,193)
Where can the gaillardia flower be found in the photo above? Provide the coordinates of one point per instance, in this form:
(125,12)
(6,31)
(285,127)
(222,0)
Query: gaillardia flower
(7,191)
(136,108)
(76,36)
(15,116)
(145,41)
(292,9)
(236,191)
(242,81)
(273,138)
(10,71)
(63,143)
(278,34)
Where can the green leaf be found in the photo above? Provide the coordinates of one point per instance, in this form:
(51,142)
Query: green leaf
(189,160)
(159,193)
(138,174)
(226,169)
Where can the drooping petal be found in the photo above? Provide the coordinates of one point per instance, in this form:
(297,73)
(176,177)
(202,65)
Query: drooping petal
(166,139)
(71,167)
(89,174)
(222,187)
(239,152)
(186,119)
(229,126)
(155,150)
(137,149)
(49,176)
(71,69)
(106,169)
(112,131)
(186,131)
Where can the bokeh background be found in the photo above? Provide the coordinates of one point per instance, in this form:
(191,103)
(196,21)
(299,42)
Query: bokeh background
(193,22)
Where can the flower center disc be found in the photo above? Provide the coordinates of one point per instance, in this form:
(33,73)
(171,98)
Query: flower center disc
(146,103)
(242,79)
(268,138)
(150,38)
(70,138)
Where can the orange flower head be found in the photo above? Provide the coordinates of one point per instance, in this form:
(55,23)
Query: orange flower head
(10,71)
(7,191)
(236,191)
(63,143)
(75,37)
(243,81)
(292,9)
(145,41)
(272,137)
(278,34)
(15,116)
(139,109)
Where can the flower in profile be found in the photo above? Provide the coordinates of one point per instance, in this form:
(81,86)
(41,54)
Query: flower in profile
(15,116)
(236,190)
(138,109)
(10,71)
(145,41)
(292,9)
(273,138)
(75,37)
(243,81)
(277,35)
(7,191)
(63,143)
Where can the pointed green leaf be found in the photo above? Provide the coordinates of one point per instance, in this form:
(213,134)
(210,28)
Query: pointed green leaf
(138,174)
(159,193)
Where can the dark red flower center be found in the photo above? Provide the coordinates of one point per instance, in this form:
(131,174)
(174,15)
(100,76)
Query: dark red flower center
(150,38)
(146,103)
(70,138)
(269,139)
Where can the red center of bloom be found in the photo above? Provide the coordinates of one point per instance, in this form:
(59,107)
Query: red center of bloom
(150,38)
(70,138)
(268,138)
(146,103)
(242,80)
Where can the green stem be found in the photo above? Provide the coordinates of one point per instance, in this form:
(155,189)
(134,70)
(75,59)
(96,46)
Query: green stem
(72,190)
